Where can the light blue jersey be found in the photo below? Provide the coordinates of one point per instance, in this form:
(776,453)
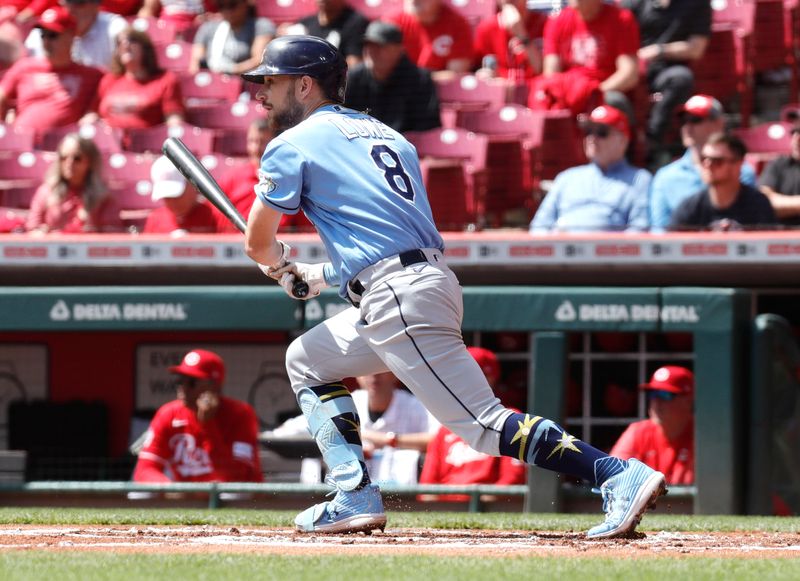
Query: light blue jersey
(357,180)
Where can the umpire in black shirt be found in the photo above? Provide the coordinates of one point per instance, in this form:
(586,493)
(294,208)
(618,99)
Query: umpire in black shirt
(388,86)
(726,204)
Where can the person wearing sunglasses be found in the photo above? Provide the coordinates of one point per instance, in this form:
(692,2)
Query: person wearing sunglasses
(74,197)
(70,85)
(665,440)
(780,181)
(608,193)
(233,43)
(700,117)
(726,203)
(95,34)
(201,436)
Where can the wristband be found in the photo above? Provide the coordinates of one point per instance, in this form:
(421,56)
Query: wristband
(391,439)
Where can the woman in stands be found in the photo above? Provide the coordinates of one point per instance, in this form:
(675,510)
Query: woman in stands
(74,198)
(233,43)
(137,93)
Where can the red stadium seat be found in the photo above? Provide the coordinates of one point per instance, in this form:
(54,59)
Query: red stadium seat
(199,141)
(18,196)
(510,131)
(107,139)
(474,10)
(207,88)
(461,93)
(159,31)
(15,139)
(376,9)
(231,142)
(129,167)
(767,137)
(174,56)
(237,115)
(27,165)
(453,164)
(280,11)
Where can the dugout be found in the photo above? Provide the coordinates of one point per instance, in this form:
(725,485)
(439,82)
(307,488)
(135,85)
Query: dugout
(717,320)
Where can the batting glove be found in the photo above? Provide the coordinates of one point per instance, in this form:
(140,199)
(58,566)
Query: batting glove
(313,274)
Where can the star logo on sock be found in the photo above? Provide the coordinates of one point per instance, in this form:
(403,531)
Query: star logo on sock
(525,428)
(565,442)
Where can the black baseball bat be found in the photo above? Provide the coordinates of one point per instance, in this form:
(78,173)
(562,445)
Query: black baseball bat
(184,160)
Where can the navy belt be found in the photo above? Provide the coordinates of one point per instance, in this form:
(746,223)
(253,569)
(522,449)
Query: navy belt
(407,258)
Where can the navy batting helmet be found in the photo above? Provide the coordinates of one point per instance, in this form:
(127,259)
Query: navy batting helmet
(303,55)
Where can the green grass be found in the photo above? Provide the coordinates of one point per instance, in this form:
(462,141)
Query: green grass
(65,565)
(454,520)
(34,566)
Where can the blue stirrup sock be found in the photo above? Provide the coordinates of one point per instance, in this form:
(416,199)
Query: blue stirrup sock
(543,443)
(334,424)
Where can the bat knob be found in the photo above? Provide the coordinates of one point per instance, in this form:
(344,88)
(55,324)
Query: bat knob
(300,289)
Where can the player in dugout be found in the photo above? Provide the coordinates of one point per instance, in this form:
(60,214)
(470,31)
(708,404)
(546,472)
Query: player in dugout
(360,184)
(202,436)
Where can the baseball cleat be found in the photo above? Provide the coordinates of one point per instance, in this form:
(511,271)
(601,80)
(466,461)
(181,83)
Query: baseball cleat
(626,497)
(350,511)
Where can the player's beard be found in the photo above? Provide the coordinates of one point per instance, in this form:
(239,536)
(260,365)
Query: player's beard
(287,118)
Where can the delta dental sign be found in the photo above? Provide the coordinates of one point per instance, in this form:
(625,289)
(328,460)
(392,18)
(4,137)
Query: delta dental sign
(622,313)
(61,311)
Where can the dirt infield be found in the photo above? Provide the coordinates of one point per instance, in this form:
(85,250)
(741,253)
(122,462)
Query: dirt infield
(161,539)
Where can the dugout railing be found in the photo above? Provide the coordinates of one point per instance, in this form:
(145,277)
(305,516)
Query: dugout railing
(718,319)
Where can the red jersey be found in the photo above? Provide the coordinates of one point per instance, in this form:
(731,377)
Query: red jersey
(238,184)
(49,97)
(69,215)
(492,38)
(179,448)
(592,47)
(645,441)
(125,102)
(450,460)
(199,220)
(431,47)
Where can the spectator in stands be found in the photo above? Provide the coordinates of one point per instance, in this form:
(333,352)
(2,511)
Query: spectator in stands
(95,34)
(700,117)
(338,23)
(674,34)
(73,197)
(589,54)
(780,182)
(180,15)
(239,182)
(395,427)
(11,43)
(606,194)
(450,460)
(435,35)
(53,90)
(24,11)
(234,43)
(137,93)
(202,436)
(509,44)
(182,212)
(389,86)
(726,203)
(664,441)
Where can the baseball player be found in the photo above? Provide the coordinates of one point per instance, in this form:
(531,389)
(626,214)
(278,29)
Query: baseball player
(359,182)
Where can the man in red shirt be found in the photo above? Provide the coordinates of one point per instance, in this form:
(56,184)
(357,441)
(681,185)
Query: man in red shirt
(238,184)
(589,48)
(450,460)
(664,441)
(182,212)
(436,37)
(202,436)
(49,91)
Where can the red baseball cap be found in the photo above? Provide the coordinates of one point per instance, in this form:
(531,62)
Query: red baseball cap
(201,364)
(607,115)
(487,360)
(58,19)
(704,106)
(671,378)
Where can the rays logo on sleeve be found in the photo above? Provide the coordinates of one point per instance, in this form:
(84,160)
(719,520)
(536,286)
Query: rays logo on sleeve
(266,185)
